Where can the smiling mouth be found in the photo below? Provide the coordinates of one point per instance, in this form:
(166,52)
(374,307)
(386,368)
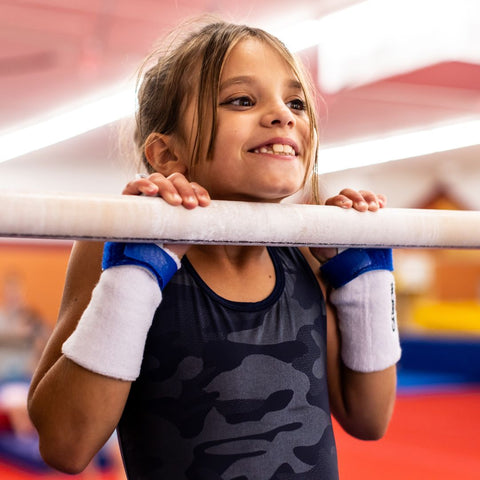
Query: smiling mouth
(276,149)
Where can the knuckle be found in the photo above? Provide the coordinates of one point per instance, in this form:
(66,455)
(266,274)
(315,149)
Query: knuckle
(156,177)
(198,188)
(176,176)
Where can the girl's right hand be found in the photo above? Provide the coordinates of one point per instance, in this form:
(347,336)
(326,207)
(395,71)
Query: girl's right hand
(175,189)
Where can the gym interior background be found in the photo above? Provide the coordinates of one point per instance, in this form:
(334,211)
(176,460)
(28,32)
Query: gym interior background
(385,70)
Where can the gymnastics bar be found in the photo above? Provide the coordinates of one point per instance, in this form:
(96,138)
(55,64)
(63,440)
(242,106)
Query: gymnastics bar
(140,219)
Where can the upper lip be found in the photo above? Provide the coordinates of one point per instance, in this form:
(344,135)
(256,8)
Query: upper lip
(278,140)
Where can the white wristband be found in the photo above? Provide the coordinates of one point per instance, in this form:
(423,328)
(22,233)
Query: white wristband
(110,336)
(367,320)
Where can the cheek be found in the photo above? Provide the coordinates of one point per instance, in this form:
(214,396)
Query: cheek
(305,130)
(309,143)
(226,137)
(225,146)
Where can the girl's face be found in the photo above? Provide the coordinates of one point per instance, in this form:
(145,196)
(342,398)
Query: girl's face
(263,133)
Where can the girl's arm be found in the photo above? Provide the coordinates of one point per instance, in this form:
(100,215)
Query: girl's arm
(361,402)
(74,409)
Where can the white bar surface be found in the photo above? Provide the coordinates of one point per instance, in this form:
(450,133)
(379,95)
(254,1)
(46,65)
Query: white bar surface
(140,219)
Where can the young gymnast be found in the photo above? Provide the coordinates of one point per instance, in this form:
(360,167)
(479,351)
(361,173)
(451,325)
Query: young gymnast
(221,362)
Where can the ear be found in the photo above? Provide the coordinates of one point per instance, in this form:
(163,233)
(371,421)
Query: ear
(162,154)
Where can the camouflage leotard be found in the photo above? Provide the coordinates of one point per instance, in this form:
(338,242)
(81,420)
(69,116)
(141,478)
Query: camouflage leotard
(232,390)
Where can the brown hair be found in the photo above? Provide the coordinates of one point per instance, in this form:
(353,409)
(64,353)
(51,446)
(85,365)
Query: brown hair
(194,65)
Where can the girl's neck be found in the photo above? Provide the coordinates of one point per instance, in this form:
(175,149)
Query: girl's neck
(235,255)
(236,273)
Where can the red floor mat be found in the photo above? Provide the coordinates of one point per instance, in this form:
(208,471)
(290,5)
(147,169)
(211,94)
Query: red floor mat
(431,437)
(10,473)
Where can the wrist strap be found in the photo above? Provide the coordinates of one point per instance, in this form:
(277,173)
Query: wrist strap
(110,336)
(366,313)
(351,263)
(146,255)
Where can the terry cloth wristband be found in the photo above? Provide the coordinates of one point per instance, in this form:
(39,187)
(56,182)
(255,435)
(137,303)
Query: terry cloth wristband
(161,262)
(110,336)
(364,298)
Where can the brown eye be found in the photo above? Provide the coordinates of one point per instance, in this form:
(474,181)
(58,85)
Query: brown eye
(297,104)
(240,102)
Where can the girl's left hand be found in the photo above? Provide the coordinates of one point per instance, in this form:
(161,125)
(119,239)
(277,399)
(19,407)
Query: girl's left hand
(361,200)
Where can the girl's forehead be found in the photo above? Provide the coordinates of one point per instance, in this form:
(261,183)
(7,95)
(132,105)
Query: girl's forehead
(251,55)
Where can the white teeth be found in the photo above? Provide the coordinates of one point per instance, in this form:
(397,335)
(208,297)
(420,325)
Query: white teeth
(276,148)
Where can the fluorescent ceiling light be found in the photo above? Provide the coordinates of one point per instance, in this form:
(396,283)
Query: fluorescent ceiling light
(399,146)
(376,39)
(67,125)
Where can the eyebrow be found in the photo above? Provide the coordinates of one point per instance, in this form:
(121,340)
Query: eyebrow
(248,80)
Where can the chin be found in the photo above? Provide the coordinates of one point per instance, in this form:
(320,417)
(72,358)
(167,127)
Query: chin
(301,196)
(295,191)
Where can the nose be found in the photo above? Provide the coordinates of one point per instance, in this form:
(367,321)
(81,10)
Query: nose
(278,115)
